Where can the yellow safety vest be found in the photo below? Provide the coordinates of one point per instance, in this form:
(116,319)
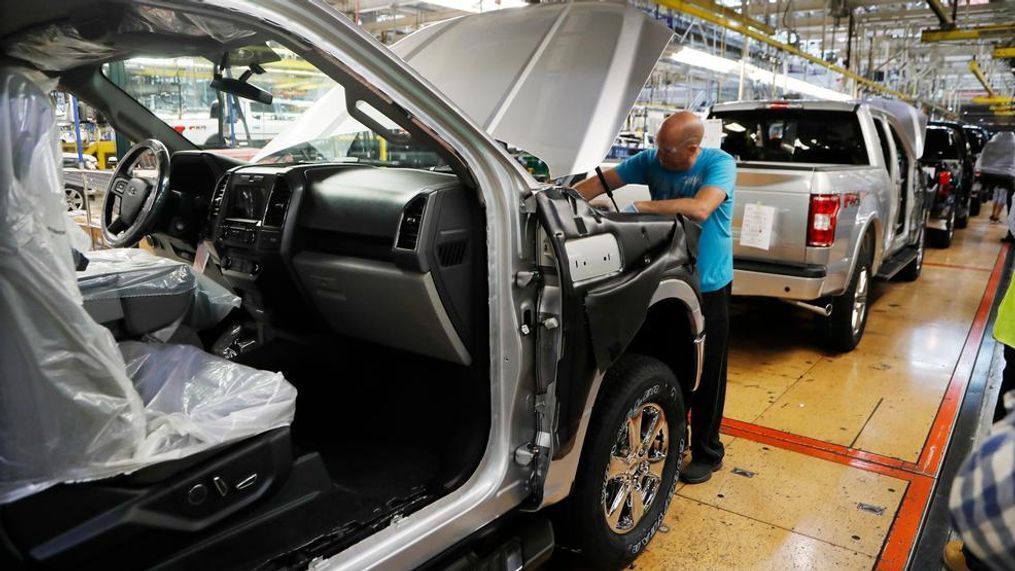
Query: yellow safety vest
(1004,325)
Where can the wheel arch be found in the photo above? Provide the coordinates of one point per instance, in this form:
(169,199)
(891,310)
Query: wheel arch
(871,232)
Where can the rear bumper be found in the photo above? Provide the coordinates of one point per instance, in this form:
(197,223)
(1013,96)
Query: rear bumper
(783,281)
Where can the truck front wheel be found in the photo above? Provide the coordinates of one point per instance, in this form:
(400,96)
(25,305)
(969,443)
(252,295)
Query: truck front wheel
(629,465)
(849,310)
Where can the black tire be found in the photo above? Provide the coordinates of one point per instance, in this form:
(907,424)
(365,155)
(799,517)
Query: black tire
(943,238)
(911,272)
(974,206)
(962,216)
(843,333)
(635,383)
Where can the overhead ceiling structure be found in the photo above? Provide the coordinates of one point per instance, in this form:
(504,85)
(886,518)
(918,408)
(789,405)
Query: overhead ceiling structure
(943,54)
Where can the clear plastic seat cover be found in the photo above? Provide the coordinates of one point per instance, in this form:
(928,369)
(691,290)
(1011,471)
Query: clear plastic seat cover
(69,408)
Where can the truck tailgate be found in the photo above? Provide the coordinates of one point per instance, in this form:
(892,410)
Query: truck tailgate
(788,191)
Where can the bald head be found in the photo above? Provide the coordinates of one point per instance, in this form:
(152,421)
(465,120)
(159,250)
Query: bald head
(681,128)
(679,140)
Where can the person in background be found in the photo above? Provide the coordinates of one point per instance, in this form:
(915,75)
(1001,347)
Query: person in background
(684,178)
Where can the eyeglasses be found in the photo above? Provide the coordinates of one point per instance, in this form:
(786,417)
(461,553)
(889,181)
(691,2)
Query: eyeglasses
(672,150)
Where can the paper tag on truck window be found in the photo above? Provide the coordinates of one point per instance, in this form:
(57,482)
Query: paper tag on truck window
(712,138)
(756,228)
(201,257)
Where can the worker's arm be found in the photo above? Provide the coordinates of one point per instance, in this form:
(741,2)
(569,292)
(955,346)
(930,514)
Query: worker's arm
(591,187)
(697,208)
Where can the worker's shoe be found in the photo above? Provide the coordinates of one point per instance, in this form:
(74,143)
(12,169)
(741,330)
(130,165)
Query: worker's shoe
(699,472)
(954,558)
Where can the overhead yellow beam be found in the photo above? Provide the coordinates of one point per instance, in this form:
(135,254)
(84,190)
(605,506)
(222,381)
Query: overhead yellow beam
(975,68)
(990,31)
(995,100)
(718,19)
(1004,53)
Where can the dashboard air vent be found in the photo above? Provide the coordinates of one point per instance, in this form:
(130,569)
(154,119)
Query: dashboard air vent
(278,203)
(452,253)
(412,219)
(216,197)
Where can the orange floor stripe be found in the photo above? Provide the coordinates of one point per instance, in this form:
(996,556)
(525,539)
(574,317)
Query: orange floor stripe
(921,475)
(957,267)
(795,441)
(899,543)
(761,435)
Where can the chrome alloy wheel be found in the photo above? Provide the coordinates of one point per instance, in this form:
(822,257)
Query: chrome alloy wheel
(634,474)
(75,198)
(860,298)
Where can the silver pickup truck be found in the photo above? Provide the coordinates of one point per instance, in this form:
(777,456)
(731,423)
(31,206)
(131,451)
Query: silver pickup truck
(833,197)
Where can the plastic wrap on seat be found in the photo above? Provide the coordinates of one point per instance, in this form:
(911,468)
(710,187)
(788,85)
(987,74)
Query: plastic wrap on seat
(67,407)
(212,303)
(69,411)
(998,156)
(194,400)
(131,272)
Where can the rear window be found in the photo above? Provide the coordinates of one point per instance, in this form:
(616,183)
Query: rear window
(793,136)
(941,144)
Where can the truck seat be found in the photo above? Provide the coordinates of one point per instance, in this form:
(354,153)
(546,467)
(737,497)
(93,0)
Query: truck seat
(72,409)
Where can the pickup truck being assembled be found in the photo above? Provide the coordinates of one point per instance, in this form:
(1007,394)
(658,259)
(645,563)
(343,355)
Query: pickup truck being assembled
(417,353)
(833,197)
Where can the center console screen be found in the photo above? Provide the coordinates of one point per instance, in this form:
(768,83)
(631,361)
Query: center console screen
(248,198)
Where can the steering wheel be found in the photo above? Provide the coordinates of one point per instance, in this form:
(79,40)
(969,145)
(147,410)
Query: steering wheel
(136,194)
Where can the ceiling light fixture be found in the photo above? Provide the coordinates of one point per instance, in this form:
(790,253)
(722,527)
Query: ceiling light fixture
(698,58)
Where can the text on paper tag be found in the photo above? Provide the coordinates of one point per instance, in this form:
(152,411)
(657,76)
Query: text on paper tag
(756,228)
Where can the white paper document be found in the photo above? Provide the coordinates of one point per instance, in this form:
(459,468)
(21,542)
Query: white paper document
(756,227)
(713,134)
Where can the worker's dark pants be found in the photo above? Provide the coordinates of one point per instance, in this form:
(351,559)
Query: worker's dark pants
(707,402)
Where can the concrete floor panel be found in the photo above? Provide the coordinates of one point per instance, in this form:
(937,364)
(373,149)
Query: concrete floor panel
(698,536)
(813,497)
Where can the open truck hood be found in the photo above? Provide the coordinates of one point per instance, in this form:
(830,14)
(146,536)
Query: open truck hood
(556,80)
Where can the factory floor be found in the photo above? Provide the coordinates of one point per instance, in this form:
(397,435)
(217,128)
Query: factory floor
(831,460)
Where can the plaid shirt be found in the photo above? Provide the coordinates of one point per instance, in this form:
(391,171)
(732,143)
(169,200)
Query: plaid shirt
(982,499)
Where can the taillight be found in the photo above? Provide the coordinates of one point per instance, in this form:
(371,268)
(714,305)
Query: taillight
(944,183)
(821,221)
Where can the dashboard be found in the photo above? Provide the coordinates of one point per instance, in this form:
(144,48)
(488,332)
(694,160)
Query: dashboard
(392,256)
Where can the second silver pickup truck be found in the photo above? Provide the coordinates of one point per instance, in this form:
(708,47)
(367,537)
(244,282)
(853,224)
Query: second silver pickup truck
(833,197)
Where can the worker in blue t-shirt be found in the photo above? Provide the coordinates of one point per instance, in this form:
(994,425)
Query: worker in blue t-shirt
(683,178)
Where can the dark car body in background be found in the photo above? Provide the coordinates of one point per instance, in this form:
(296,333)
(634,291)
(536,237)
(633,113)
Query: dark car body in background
(946,158)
